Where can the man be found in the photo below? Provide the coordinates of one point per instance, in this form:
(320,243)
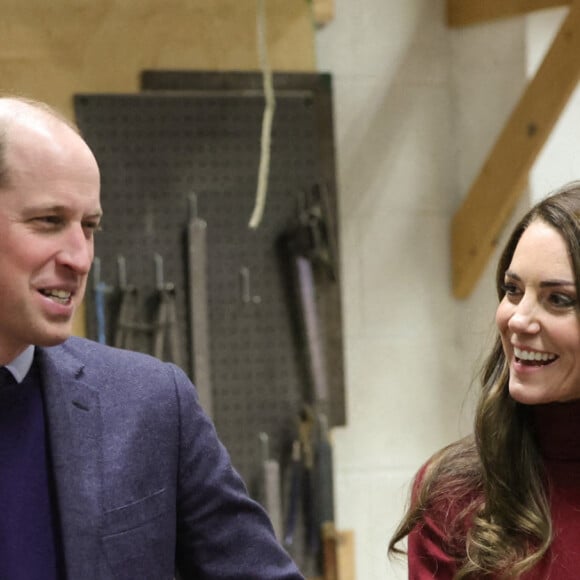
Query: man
(108,466)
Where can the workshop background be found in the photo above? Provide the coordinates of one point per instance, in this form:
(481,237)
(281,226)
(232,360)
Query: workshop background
(417,107)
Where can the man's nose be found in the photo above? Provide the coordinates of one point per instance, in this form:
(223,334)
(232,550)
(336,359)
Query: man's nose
(77,250)
(524,318)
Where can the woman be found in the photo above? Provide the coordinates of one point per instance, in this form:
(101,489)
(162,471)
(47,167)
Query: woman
(505,501)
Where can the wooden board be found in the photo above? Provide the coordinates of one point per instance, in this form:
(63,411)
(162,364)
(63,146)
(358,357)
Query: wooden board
(465,12)
(493,195)
(51,50)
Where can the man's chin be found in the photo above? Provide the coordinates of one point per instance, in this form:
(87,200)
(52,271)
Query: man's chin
(53,338)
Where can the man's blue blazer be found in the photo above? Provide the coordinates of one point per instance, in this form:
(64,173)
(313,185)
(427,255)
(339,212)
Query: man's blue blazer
(145,489)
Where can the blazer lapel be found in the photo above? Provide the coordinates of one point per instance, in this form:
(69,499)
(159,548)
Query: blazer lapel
(75,435)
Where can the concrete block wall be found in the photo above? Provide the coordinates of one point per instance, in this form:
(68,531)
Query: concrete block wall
(417,107)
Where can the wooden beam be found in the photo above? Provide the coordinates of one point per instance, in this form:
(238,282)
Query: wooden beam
(342,561)
(478,222)
(323,11)
(466,12)
(345,555)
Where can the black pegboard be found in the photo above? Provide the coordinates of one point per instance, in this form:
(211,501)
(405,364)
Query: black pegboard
(156,148)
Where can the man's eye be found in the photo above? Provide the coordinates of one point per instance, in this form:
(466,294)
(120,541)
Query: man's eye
(49,219)
(92,226)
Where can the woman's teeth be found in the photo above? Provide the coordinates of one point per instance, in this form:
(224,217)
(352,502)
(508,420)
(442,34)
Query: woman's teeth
(534,356)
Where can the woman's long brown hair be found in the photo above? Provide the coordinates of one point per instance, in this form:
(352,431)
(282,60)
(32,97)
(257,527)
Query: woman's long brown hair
(504,525)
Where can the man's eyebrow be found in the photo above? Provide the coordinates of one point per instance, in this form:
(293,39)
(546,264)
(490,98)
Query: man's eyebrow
(40,207)
(57,208)
(544,283)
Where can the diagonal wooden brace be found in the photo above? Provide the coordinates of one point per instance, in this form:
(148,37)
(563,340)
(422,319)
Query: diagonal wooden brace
(479,220)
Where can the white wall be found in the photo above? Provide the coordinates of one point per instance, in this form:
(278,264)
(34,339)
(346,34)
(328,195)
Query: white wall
(417,107)
(559,160)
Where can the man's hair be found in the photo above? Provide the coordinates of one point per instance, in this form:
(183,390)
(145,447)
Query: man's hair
(22,107)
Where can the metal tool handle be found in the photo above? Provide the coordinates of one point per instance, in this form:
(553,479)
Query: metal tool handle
(199,331)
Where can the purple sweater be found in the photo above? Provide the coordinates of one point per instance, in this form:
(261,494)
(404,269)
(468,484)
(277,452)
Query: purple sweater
(29,539)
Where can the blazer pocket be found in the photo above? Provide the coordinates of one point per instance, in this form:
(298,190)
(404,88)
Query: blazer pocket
(139,539)
(134,514)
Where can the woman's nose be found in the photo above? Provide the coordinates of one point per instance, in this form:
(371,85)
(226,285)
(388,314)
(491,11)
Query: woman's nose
(524,318)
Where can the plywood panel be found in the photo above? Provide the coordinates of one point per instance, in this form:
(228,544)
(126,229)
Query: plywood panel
(50,50)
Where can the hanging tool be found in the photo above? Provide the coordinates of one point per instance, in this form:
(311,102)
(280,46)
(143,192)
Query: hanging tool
(126,323)
(295,493)
(301,500)
(166,333)
(100,290)
(200,359)
(325,499)
(306,249)
(311,326)
(271,486)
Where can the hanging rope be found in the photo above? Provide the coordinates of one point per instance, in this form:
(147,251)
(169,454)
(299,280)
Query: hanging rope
(266,138)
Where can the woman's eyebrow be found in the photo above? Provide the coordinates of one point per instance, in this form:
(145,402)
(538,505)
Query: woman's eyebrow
(556,282)
(553,283)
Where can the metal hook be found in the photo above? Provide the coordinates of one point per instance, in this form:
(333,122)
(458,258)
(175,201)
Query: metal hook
(192,206)
(159,274)
(264,446)
(246,287)
(96,272)
(121,272)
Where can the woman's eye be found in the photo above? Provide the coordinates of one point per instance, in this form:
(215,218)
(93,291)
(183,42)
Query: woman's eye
(509,289)
(562,300)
